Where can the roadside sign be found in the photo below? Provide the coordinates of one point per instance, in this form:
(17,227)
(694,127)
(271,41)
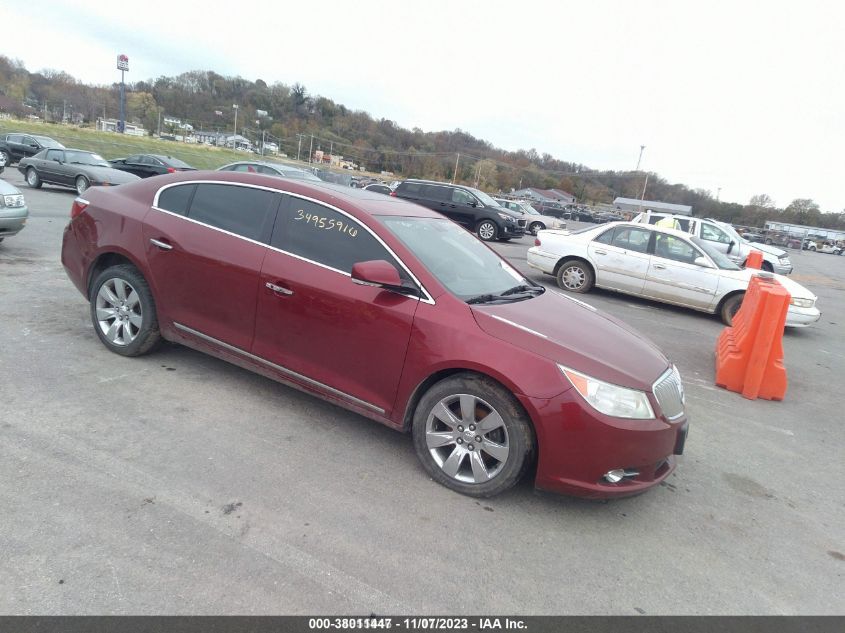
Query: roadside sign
(123,62)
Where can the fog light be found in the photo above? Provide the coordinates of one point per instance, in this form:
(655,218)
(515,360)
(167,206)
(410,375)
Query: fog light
(615,476)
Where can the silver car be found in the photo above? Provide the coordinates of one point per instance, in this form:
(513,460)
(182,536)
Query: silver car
(657,263)
(13,211)
(270,169)
(534,221)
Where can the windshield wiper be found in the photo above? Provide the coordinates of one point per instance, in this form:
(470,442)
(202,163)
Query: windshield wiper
(511,294)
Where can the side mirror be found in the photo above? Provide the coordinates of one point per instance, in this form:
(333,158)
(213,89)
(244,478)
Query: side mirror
(377,273)
(731,245)
(701,261)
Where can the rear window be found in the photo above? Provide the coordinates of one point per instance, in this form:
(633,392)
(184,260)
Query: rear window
(176,199)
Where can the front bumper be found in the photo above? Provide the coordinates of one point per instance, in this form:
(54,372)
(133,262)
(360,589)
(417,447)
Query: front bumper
(802,317)
(512,230)
(12,220)
(578,445)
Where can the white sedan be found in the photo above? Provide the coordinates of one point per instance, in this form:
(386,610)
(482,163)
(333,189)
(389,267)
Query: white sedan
(657,263)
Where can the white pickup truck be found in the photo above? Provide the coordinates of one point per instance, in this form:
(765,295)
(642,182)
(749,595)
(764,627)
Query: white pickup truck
(723,237)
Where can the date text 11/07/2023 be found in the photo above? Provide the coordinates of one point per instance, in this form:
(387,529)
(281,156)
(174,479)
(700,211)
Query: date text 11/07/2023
(418,623)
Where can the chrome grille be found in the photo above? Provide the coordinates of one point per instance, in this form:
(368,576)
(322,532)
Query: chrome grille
(669,391)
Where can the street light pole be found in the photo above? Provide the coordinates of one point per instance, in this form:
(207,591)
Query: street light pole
(642,147)
(235,133)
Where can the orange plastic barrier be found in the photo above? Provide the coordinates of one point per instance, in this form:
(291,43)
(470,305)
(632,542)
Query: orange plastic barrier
(754,260)
(749,354)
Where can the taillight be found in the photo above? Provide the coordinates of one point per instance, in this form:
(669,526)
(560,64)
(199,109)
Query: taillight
(79,205)
(536,241)
(171,170)
(393,193)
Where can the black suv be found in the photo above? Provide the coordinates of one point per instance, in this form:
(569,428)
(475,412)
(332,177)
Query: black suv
(15,146)
(469,207)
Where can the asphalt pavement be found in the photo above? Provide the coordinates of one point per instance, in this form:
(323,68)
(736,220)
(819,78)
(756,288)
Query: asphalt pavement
(179,484)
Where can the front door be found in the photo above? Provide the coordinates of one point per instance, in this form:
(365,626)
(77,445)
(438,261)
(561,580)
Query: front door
(204,245)
(315,321)
(674,277)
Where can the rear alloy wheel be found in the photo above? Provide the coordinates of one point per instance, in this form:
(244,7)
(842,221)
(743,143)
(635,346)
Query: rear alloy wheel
(82,184)
(575,276)
(472,436)
(534,227)
(123,311)
(730,307)
(32,178)
(487,230)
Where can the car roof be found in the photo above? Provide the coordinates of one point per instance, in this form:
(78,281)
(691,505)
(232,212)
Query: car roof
(359,202)
(640,225)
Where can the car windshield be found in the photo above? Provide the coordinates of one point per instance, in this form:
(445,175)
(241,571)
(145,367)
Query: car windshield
(731,231)
(85,158)
(464,265)
(46,141)
(719,258)
(486,200)
(527,208)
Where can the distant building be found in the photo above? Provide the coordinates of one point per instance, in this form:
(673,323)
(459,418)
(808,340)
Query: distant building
(110,125)
(634,205)
(545,195)
(799,230)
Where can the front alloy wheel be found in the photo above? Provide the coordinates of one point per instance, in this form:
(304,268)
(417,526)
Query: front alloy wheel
(81,184)
(487,230)
(472,436)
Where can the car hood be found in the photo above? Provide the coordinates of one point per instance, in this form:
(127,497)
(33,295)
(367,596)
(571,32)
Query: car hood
(792,287)
(107,174)
(767,248)
(575,334)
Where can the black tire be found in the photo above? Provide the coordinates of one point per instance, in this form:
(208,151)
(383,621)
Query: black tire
(515,432)
(32,178)
(147,334)
(575,276)
(730,307)
(767,266)
(534,227)
(487,230)
(768,241)
(81,183)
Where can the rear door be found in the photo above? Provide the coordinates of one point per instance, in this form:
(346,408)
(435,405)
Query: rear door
(674,277)
(205,244)
(316,323)
(621,258)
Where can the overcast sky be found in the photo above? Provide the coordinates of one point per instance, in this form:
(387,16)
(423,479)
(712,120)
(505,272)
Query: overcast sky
(744,96)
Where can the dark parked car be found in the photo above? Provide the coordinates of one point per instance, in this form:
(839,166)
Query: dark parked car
(390,310)
(73,168)
(469,207)
(379,188)
(16,146)
(146,165)
(270,169)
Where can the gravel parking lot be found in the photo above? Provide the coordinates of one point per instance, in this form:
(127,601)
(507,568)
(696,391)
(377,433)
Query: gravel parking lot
(177,483)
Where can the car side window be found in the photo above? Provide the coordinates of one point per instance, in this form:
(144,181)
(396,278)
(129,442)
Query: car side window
(28,140)
(176,199)
(459,196)
(674,248)
(14,138)
(244,211)
(631,239)
(714,234)
(320,234)
(55,154)
(267,170)
(606,237)
(434,192)
(411,187)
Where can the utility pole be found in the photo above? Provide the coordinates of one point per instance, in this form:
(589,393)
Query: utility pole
(234,142)
(455,176)
(642,147)
(718,192)
(299,147)
(263,136)
(642,197)
(159,121)
(311,150)
(122,66)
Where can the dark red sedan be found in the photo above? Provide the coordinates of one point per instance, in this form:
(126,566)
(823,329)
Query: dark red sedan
(387,309)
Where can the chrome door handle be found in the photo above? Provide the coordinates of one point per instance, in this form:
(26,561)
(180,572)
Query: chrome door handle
(660,267)
(601,252)
(278,289)
(162,245)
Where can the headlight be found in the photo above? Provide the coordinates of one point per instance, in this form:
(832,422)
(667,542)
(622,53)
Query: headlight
(613,400)
(784,259)
(802,303)
(13,200)
(505,217)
